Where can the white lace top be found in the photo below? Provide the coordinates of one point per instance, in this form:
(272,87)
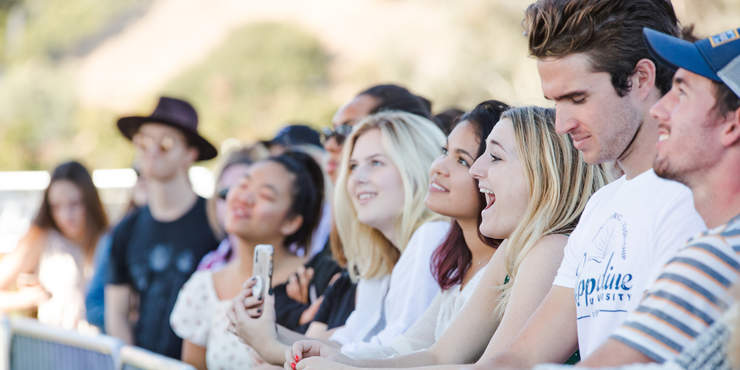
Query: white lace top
(199,316)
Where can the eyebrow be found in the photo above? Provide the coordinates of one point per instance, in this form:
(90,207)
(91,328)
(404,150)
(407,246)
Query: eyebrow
(369,157)
(494,142)
(463,151)
(569,95)
(681,81)
(272,188)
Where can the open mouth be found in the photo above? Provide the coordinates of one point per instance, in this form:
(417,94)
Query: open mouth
(240,212)
(365,196)
(437,187)
(490,197)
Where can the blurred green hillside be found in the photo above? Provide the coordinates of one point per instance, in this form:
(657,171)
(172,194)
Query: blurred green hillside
(276,64)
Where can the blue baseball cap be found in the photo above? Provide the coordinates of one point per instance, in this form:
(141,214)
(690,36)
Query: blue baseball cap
(716,57)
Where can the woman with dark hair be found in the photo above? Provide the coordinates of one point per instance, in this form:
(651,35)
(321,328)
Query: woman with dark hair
(277,202)
(53,261)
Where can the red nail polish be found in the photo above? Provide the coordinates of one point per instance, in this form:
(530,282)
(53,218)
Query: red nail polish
(296,358)
(292,365)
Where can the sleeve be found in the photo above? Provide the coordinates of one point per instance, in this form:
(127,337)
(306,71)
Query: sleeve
(95,297)
(690,294)
(409,294)
(421,334)
(287,311)
(190,318)
(566,275)
(339,302)
(120,237)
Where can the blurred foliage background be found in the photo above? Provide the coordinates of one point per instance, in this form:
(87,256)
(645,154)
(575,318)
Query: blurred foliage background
(68,68)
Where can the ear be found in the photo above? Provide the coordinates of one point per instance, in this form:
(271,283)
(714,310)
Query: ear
(192,155)
(731,129)
(291,225)
(643,78)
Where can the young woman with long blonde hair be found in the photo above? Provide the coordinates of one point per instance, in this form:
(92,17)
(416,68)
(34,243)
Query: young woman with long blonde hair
(387,232)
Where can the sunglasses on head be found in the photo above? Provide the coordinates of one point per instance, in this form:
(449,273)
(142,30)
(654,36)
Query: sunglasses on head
(339,133)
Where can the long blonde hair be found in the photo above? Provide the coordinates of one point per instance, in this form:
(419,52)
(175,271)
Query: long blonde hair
(411,143)
(560,184)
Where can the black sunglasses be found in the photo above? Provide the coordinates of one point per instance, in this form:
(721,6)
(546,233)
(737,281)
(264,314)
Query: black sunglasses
(339,133)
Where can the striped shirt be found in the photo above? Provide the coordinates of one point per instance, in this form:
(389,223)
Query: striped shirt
(690,294)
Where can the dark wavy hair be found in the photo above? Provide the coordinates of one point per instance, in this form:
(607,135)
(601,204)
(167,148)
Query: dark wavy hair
(395,97)
(96,221)
(452,259)
(608,31)
(308,193)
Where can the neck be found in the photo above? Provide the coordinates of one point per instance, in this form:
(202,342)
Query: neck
(244,258)
(170,199)
(716,196)
(390,233)
(640,154)
(480,251)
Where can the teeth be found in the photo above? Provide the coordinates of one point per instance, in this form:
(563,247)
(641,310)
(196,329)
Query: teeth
(365,196)
(662,137)
(434,185)
(485,191)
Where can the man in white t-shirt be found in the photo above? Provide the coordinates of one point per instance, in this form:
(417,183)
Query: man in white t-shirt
(595,66)
(698,145)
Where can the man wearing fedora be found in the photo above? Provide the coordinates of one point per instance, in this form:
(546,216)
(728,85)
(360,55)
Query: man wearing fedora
(156,248)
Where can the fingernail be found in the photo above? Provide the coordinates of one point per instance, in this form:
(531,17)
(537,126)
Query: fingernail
(296,358)
(292,365)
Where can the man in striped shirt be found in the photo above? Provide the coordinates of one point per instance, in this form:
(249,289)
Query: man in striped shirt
(699,146)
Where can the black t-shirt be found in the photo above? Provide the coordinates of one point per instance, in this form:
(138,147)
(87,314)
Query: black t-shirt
(156,259)
(288,312)
(339,302)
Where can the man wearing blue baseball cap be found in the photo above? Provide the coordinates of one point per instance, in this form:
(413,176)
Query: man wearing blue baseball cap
(684,315)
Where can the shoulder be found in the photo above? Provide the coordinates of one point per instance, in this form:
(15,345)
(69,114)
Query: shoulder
(430,232)
(662,190)
(549,249)
(127,222)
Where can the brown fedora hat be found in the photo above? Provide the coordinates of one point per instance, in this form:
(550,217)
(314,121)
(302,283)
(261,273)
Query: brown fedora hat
(178,114)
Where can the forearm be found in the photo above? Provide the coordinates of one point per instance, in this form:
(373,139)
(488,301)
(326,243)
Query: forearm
(419,358)
(118,302)
(273,351)
(117,325)
(10,301)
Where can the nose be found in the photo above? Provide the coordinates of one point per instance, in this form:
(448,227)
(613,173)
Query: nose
(659,111)
(245,196)
(477,170)
(359,175)
(564,121)
(439,167)
(332,145)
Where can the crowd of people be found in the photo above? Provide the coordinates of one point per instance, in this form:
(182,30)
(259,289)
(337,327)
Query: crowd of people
(603,232)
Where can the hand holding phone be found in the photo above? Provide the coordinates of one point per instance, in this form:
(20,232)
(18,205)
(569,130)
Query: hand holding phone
(262,270)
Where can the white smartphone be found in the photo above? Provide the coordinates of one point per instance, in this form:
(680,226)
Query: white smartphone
(262,269)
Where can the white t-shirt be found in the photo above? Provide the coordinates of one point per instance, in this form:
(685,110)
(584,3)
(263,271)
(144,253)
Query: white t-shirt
(628,231)
(386,307)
